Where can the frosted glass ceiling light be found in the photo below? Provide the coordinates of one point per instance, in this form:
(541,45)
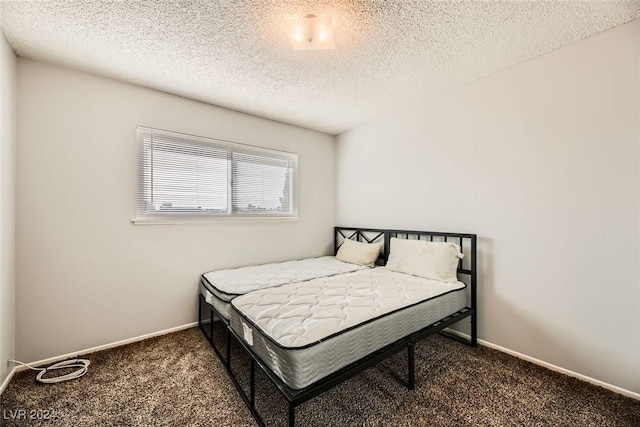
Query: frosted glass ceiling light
(311,32)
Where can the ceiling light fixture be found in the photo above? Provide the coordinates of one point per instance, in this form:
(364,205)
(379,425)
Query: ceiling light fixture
(311,32)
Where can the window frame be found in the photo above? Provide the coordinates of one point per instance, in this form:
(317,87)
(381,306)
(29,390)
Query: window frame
(144,176)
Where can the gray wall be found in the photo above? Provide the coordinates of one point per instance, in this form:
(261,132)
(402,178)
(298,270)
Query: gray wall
(7,204)
(85,275)
(541,161)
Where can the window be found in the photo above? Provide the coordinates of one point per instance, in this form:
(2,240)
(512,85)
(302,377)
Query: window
(189,176)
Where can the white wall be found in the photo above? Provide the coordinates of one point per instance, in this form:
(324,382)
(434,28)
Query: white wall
(541,161)
(7,204)
(85,275)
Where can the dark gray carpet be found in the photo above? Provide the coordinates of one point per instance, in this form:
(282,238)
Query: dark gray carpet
(176,380)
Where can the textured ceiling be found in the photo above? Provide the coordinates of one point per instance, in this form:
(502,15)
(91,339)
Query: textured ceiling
(389,54)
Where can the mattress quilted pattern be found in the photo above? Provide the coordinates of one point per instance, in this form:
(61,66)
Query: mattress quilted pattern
(239,281)
(303,314)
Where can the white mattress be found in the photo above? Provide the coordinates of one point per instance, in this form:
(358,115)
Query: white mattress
(306,331)
(228,284)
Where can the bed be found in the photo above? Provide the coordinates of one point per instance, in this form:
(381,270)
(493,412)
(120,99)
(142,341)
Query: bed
(309,336)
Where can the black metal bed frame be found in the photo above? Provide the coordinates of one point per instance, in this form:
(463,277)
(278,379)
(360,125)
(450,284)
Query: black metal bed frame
(297,397)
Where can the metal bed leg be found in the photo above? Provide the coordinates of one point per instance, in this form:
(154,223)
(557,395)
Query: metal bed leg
(411,362)
(474,329)
(201,325)
(292,414)
(252,385)
(227,362)
(211,327)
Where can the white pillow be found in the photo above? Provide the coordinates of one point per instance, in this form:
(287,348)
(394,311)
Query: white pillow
(431,260)
(359,253)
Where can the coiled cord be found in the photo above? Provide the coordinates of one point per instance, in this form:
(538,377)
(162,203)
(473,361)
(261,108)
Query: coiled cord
(81,364)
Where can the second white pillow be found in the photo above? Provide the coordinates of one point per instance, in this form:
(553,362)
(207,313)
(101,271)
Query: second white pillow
(431,260)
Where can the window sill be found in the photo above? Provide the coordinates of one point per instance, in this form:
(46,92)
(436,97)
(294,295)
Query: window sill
(209,220)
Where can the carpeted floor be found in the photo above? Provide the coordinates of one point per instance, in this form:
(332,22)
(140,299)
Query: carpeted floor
(176,380)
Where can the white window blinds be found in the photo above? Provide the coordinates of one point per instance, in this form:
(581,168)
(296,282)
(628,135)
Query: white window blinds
(182,175)
(260,184)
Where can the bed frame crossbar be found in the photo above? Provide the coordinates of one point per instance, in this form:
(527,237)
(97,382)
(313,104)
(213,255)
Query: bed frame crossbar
(297,397)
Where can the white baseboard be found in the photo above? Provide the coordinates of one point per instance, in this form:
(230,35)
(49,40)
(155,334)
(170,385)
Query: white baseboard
(552,367)
(101,347)
(5,383)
